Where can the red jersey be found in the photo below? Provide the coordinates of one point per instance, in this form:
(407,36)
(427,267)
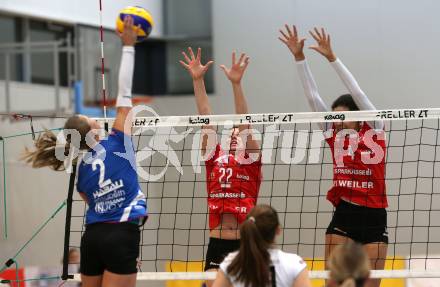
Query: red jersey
(232,187)
(356,177)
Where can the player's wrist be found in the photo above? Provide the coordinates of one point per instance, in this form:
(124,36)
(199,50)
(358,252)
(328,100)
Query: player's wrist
(299,56)
(331,57)
(198,79)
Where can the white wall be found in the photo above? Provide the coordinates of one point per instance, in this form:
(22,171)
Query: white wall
(33,97)
(82,11)
(390,46)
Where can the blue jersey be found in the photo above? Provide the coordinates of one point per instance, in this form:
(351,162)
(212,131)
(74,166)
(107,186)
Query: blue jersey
(109,180)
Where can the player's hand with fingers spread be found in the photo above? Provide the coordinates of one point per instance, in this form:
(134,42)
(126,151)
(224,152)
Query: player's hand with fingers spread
(236,72)
(293,42)
(129,35)
(193,64)
(323,46)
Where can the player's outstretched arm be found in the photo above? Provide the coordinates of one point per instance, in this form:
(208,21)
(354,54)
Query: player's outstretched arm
(235,74)
(323,46)
(197,71)
(290,38)
(125,80)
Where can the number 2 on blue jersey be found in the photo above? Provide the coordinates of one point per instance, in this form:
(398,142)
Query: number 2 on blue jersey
(100,163)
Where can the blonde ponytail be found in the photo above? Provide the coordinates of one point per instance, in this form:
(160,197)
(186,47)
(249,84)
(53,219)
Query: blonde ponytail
(348,283)
(44,153)
(349,265)
(48,154)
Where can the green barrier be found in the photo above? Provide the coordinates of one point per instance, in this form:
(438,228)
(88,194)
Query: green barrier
(13,259)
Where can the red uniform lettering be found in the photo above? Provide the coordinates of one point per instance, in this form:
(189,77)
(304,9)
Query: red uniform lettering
(360,181)
(232,187)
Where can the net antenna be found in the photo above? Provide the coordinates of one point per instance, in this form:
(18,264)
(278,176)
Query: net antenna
(104,97)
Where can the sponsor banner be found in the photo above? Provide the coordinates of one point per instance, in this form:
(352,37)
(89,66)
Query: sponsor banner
(280,118)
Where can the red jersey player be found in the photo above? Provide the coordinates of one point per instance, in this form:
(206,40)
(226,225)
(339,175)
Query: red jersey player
(232,186)
(233,173)
(358,191)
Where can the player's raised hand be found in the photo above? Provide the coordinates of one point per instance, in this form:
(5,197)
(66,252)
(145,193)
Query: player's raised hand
(323,46)
(236,72)
(295,44)
(193,64)
(130,32)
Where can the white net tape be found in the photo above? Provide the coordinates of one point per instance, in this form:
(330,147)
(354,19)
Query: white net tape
(168,276)
(282,118)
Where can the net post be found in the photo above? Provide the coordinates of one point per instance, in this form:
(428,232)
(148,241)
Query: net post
(65,275)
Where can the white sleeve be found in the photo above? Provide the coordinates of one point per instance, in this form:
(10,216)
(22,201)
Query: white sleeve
(297,265)
(125,79)
(226,262)
(311,90)
(223,267)
(359,97)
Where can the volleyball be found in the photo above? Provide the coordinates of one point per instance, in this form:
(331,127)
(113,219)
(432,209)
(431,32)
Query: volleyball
(141,18)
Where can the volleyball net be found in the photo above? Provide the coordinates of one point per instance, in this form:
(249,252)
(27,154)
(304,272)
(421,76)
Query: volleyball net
(297,170)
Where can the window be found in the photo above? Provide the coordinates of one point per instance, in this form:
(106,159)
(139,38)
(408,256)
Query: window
(90,62)
(43,63)
(10,32)
(27,63)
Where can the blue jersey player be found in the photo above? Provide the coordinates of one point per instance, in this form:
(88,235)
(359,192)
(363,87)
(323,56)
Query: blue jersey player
(107,181)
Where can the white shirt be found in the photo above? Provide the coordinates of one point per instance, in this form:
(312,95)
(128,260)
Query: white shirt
(287,267)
